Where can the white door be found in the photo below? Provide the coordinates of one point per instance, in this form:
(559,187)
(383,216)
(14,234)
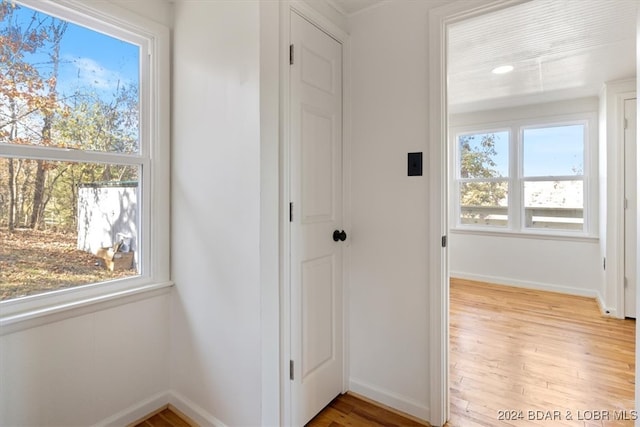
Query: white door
(630,190)
(316,196)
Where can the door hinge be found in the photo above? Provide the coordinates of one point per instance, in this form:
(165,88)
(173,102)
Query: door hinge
(290,54)
(291,212)
(626,204)
(444,241)
(291,370)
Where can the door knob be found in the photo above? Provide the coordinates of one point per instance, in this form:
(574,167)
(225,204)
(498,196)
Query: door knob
(339,235)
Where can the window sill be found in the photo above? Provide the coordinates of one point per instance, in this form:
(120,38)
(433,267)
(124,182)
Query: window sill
(56,312)
(526,235)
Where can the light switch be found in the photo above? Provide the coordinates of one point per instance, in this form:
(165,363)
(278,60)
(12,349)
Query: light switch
(414,167)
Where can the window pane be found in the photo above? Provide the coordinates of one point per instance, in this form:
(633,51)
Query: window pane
(484,203)
(484,155)
(554,204)
(554,151)
(63,85)
(66,224)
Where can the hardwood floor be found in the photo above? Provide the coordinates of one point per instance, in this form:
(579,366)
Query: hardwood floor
(518,350)
(349,410)
(536,356)
(166,417)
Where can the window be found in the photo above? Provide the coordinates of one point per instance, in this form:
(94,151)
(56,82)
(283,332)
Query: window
(525,176)
(483,178)
(83,153)
(552,177)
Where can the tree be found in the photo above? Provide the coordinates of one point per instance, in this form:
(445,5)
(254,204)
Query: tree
(55,31)
(477,161)
(21,90)
(34,111)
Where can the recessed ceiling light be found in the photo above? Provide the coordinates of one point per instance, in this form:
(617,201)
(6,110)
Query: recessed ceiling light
(503,69)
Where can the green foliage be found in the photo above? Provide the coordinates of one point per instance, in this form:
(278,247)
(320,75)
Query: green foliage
(477,161)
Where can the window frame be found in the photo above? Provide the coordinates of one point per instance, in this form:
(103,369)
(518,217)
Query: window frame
(152,159)
(516,203)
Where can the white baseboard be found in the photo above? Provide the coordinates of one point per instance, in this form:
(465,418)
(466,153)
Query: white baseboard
(606,311)
(526,284)
(193,410)
(142,409)
(388,398)
(136,412)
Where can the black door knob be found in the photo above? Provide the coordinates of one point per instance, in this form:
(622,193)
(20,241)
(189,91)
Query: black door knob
(339,235)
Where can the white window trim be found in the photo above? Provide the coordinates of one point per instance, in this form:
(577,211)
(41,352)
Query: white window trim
(516,179)
(154,40)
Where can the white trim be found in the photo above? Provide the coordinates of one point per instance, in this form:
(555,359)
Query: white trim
(618,178)
(317,19)
(438,302)
(389,398)
(270,213)
(56,313)
(147,406)
(193,410)
(483,231)
(136,411)
(154,109)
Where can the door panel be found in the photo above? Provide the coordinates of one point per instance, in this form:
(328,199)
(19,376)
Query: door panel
(316,194)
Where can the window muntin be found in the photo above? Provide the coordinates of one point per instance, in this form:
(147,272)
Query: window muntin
(548,190)
(102,124)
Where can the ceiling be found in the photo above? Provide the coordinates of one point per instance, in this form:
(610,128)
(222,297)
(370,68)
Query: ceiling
(559,49)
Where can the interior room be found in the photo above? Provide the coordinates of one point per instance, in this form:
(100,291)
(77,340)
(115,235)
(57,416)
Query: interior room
(287,247)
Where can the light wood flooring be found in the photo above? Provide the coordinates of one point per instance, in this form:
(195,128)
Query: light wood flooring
(513,351)
(165,417)
(350,410)
(522,350)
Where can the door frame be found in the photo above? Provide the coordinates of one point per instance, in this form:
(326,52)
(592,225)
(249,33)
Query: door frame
(439,19)
(320,21)
(620,180)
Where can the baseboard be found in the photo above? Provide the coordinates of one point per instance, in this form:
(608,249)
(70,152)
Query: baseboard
(606,311)
(526,284)
(391,399)
(136,412)
(193,410)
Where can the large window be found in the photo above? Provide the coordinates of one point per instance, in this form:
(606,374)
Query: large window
(82,155)
(527,176)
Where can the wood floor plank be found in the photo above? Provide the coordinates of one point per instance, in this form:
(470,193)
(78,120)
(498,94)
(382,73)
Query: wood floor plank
(513,348)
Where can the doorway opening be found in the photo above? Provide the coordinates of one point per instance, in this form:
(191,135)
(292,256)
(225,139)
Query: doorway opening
(522,113)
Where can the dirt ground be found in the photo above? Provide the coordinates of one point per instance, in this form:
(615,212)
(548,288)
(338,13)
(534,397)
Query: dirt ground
(33,262)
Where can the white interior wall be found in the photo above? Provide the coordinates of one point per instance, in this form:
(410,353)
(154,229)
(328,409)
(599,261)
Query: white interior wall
(564,265)
(108,365)
(78,371)
(389,289)
(216,305)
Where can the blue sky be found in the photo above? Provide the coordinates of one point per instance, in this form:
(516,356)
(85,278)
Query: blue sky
(550,151)
(89,60)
